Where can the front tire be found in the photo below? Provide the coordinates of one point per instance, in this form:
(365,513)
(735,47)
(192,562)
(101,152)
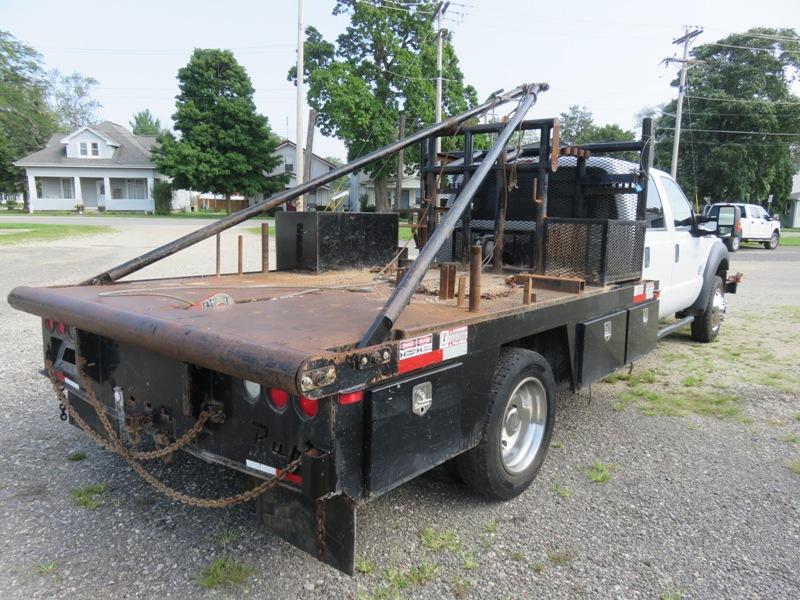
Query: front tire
(706,326)
(517,429)
(732,243)
(773,242)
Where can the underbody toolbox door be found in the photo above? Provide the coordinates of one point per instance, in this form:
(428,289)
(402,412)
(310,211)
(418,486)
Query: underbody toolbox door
(414,425)
(601,346)
(642,330)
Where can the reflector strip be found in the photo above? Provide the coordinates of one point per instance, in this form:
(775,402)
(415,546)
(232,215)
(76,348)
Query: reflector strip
(257,466)
(419,361)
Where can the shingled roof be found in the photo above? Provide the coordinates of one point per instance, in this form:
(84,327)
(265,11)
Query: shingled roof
(133,150)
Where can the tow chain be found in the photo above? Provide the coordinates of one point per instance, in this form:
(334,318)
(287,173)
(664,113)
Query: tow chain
(114,444)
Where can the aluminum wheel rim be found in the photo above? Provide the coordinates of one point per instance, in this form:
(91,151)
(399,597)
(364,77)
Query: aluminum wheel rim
(523,425)
(718,309)
(773,241)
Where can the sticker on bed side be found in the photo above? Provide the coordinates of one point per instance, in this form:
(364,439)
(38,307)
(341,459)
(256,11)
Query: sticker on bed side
(453,342)
(416,346)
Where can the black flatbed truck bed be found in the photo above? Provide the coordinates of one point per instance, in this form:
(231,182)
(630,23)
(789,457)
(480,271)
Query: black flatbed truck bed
(294,373)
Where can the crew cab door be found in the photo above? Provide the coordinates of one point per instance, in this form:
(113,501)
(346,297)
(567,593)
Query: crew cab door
(687,251)
(759,225)
(658,242)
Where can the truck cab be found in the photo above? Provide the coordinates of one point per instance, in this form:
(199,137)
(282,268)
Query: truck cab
(685,260)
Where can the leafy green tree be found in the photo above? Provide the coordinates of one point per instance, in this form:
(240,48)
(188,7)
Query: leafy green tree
(225,146)
(743,84)
(384,62)
(145,123)
(26,122)
(578,127)
(576,122)
(70,98)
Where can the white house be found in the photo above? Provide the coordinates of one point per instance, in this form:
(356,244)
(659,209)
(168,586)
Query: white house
(319,166)
(793,211)
(103,167)
(410,191)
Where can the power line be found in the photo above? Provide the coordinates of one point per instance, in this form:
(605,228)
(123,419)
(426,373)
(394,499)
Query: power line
(754,101)
(751,48)
(767,133)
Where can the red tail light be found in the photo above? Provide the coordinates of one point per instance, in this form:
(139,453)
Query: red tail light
(278,398)
(61,328)
(738,225)
(351,397)
(308,406)
(50,324)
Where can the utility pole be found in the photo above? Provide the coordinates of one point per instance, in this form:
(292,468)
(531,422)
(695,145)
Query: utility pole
(398,186)
(309,153)
(440,10)
(301,103)
(685,62)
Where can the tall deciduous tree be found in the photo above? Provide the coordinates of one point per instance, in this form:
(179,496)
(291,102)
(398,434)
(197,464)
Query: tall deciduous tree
(578,127)
(384,61)
(743,84)
(70,98)
(25,119)
(225,146)
(145,123)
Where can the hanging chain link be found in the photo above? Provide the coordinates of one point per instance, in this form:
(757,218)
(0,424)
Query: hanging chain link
(114,444)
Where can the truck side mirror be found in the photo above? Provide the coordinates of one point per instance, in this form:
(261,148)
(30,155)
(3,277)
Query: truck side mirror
(726,221)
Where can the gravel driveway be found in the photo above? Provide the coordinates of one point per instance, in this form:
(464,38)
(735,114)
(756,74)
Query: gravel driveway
(701,502)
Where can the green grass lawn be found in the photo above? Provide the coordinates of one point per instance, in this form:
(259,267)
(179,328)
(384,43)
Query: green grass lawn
(12,233)
(126,214)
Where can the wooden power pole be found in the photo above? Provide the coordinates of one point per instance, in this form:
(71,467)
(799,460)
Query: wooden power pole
(398,186)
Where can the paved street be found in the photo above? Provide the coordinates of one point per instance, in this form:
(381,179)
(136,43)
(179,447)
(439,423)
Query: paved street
(700,503)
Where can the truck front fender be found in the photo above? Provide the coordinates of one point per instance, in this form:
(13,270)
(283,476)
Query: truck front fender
(717,263)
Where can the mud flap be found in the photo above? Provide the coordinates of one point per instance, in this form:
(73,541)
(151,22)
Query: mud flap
(325,528)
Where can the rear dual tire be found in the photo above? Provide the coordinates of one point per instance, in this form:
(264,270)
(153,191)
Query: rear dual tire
(517,429)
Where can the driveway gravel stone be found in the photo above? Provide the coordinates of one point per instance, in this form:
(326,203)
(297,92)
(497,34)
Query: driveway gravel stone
(697,506)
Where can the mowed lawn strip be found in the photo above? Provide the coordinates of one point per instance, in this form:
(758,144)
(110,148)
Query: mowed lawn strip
(12,233)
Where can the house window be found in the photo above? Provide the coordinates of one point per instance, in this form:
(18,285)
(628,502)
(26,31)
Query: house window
(66,189)
(84,150)
(288,167)
(136,188)
(95,149)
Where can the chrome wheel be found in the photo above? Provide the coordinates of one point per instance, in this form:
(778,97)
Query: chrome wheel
(523,425)
(718,309)
(773,241)
(734,243)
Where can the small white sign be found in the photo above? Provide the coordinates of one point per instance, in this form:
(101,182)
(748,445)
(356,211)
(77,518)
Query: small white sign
(453,342)
(416,346)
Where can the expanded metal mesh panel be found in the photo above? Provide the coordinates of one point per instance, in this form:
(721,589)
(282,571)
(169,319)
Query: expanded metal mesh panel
(599,251)
(574,249)
(624,250)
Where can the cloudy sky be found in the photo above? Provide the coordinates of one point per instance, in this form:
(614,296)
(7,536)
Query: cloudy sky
(604,55)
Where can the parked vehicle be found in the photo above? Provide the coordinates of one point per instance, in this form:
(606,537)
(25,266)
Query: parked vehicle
(333,383)
(753,225)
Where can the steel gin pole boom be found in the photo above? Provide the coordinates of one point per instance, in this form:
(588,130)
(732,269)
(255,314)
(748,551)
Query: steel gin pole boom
(148,258)
(402,294)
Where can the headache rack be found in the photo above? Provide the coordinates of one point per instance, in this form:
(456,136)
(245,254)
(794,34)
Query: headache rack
(588,201)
